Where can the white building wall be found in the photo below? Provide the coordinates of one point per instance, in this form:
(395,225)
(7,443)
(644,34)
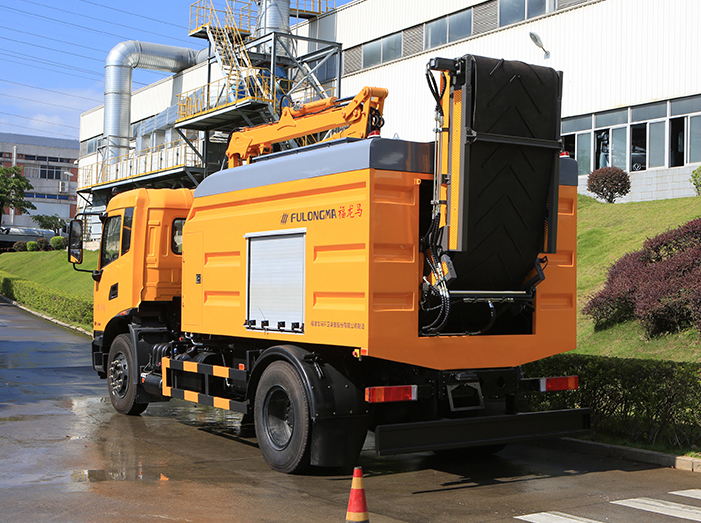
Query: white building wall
(613,53)
(363,21)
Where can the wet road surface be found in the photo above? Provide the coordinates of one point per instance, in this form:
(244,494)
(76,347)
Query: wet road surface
(66,456)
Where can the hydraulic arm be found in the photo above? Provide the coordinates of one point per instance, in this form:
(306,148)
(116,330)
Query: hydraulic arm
(355,119)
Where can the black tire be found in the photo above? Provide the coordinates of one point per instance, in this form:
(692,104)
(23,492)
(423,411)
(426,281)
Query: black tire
(119,377)
(282,419)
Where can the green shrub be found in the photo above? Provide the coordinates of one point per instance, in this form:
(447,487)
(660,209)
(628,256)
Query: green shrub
(19,246)
(696,180)
(43,244)
(69,308)
(609,183)
(58,243)
(32,246)
(645,401)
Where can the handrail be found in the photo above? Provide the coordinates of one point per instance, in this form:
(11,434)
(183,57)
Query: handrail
(166,156)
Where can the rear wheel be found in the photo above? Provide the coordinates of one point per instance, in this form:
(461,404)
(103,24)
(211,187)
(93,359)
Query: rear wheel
(119,377)
(282,418)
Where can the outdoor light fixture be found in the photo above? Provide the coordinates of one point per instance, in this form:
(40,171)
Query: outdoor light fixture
(539,43)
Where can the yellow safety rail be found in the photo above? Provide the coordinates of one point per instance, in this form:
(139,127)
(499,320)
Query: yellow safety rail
(244,14)
(244,82)
(171,155)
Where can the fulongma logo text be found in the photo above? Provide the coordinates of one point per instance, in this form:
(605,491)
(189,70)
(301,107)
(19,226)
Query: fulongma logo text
(344,211)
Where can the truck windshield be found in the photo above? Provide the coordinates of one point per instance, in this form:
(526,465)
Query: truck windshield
(109,251)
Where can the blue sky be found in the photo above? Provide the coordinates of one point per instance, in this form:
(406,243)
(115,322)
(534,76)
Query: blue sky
(52,55)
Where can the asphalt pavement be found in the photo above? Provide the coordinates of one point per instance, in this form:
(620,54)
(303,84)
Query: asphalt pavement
(66,456)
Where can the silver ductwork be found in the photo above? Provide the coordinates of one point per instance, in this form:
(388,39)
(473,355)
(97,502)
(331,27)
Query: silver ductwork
(273,17)
(121,61)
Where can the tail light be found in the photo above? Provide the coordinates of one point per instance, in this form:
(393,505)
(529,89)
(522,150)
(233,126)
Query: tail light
(395,393)
(562,383)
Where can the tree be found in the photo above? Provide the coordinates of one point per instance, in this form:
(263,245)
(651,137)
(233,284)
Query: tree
(609,183)
(12,188)
(54,223)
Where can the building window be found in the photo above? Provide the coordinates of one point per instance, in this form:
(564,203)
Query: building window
(583,155)
(436,33)
(656,144)
(392,47)
(513,11)
(326,71)
(460,25)
(695,139)
(448,29)
(384,50)
(654,135)
(638,147)
(50,172)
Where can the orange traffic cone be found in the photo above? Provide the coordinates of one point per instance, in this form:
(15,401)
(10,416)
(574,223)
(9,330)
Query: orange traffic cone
(357,506)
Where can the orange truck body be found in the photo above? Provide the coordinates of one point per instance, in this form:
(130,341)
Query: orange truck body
(362,268)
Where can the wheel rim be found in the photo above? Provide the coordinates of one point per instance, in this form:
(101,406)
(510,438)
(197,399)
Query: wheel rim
(119,375)
(278,416)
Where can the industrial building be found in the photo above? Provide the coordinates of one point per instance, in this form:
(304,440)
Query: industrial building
(630,97)
(50,164)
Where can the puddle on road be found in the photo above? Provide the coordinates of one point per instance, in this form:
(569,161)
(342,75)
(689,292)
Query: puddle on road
(209,419)
(96,476)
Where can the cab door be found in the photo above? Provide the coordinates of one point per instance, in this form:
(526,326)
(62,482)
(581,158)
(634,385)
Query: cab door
(110,300)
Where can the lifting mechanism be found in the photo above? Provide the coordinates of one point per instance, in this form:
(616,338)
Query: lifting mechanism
(490,219)
(358,117)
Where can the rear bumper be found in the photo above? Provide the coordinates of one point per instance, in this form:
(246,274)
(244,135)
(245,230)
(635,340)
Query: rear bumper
(474,432)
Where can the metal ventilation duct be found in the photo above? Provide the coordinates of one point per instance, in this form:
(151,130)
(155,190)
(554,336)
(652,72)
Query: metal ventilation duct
(273,16)
(121,61)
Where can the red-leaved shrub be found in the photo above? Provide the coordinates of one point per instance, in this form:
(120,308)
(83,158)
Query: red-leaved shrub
(609,183)
(659,285)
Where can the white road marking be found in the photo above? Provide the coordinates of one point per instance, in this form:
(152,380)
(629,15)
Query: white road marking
(554,517)
(676,510)
(691,493)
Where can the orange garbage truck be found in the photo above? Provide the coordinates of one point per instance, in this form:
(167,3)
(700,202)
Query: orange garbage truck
(359,283)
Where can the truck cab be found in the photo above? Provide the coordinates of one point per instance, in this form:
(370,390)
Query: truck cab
(140,263)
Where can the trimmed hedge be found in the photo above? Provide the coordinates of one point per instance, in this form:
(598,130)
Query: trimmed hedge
(69,308)
(645,401)
(58,243)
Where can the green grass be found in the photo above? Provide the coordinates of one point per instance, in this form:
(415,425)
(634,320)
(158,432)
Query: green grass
(605,233)
(51,269)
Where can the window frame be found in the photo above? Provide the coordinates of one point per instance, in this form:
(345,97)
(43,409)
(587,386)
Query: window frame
(173,229)
(104,260)
(380,43)
(127,229)
(549,8)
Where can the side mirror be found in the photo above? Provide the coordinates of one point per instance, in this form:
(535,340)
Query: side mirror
(75,242)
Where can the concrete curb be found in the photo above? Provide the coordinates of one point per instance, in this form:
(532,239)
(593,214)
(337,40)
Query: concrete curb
(7,300)
(625,453)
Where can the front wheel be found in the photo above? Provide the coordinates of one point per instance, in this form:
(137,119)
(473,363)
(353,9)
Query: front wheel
(119,377)
(282,418)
